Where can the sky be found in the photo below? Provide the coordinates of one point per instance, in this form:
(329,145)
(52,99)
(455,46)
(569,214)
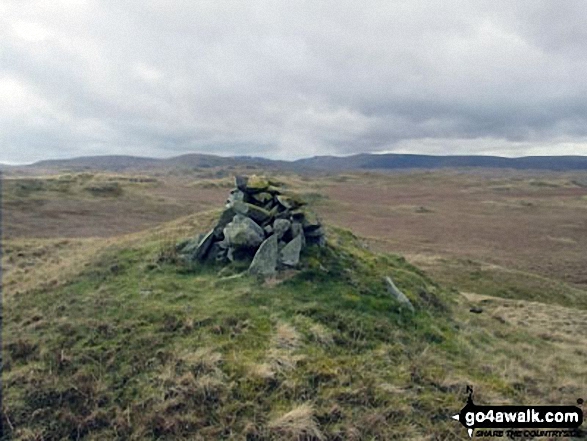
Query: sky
(291,79)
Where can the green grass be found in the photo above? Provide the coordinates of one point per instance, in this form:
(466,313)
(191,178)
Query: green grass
(140,346)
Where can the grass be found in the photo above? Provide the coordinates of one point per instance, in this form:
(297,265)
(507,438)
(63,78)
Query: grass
(130,347)
(133,346)
(494,280)
(114,339)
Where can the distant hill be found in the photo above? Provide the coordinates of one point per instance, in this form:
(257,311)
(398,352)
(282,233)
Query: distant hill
(401,161)
(317,163)
(120,163)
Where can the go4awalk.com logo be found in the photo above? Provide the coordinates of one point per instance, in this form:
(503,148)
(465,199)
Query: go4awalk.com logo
(520,421)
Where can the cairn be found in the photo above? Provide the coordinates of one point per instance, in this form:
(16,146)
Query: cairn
(261,224)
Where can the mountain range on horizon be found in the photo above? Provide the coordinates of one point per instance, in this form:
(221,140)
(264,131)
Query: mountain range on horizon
(364,161)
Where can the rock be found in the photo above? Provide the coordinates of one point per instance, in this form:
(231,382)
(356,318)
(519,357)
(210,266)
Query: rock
(235,195)
(290,201)
(280,227)
(240,207)
(296,229)
(314,233)
(217,253)
(262,197)
(311,221)
(290,254)
(476,310)
(260,223)
(243,232)
(204,246)
(241,182)
(398,295)
(298,214)
(282,214)
(286,201)
(273,211)
(258,214)
(256,184)
(265,260)
(225,218)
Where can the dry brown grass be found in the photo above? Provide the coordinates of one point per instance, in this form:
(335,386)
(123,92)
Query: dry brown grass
(548,364)
(298,424)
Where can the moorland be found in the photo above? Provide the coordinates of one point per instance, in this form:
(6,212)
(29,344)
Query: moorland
(106,336)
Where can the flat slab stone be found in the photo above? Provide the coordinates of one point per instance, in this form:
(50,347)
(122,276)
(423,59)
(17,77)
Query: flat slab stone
(290,254)
(204,246)
(265,260)
(398,295)
(256,184)
(258,214)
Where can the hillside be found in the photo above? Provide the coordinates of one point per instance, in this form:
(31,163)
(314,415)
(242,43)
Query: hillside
(108,336)
(318,163)
(114,339)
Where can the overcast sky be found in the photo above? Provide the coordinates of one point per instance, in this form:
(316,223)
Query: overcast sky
(291,79)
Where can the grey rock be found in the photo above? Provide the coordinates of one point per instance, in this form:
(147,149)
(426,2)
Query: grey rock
(285,201)
(204,246)
(243,232)
(235,195)
(256,184)
(296,229)
(262,198)
(217,253)
(298,214)
(397,294)
(225,218)
(265,260)
(314,233)
(290,254)
(258,214)
(280,227)
(282,214)
(241,182)
(240,207)
(310,221)
(268,230)
(233,254)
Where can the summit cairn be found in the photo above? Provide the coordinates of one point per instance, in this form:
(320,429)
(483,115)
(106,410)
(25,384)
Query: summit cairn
(261,224)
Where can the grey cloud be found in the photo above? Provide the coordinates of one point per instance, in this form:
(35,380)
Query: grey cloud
(295,79)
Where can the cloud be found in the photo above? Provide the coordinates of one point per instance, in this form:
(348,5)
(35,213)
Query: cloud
(286,80)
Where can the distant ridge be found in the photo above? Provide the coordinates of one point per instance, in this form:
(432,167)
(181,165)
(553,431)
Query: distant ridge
(365,161)
(407,161)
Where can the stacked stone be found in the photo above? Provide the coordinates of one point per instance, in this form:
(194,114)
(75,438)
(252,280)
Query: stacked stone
(260,223)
